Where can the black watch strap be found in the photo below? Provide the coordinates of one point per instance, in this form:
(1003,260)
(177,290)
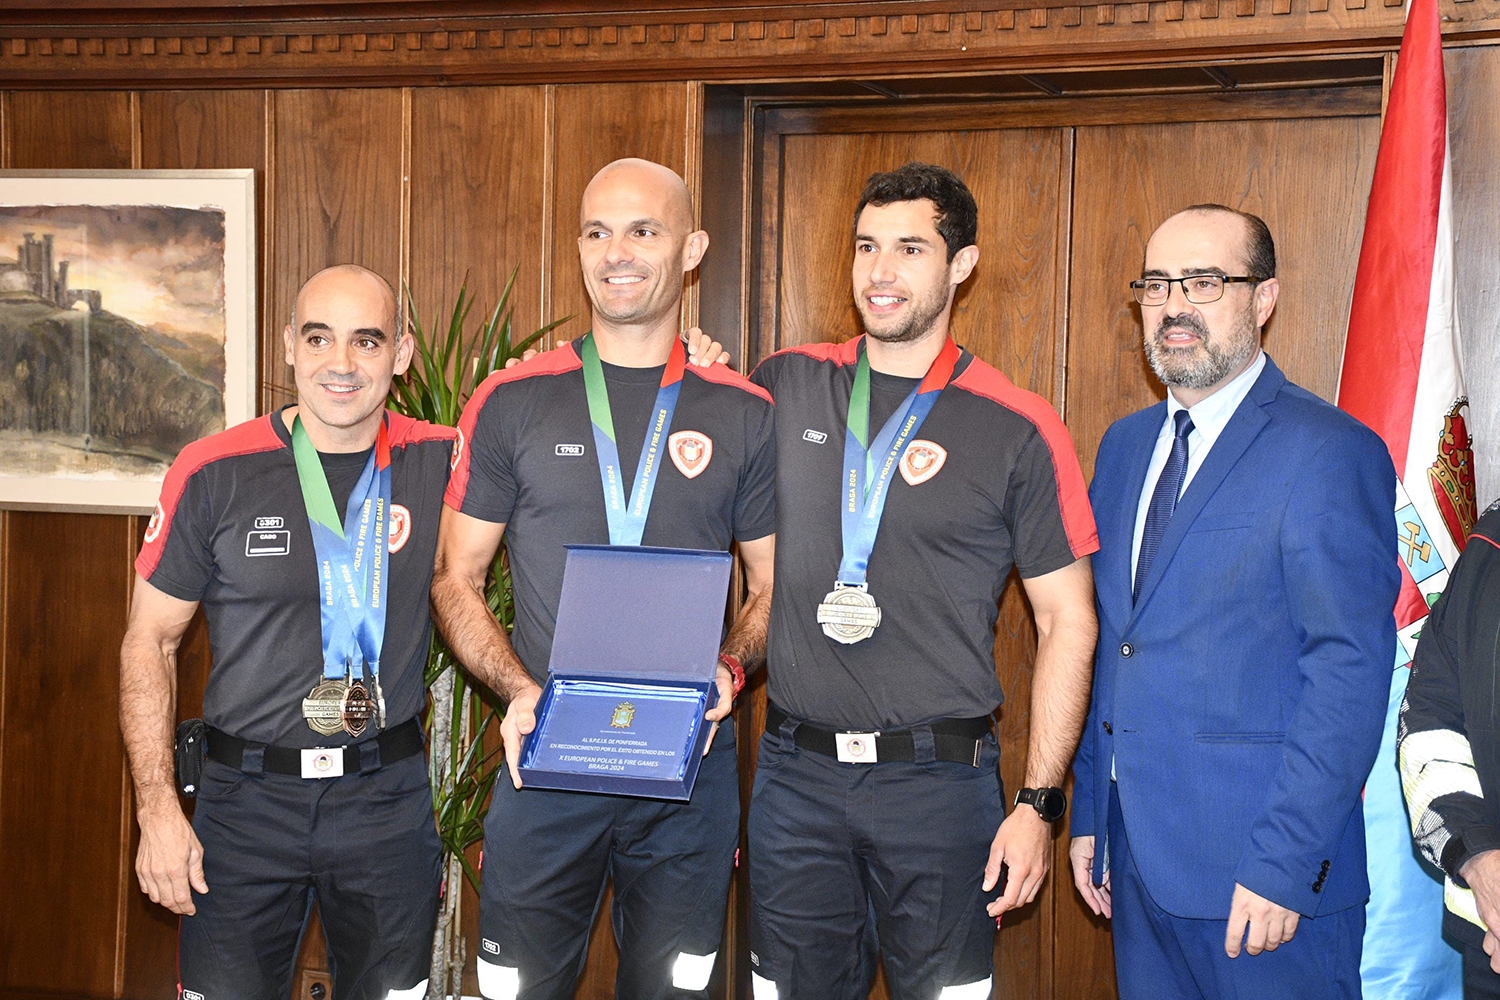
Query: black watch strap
(1050,803)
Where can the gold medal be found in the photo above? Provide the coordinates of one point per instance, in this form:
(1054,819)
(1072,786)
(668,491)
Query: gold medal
(849,614)
(323,708)
(356,709)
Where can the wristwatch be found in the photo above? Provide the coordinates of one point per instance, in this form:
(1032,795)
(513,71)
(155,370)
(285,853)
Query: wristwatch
(1051,803)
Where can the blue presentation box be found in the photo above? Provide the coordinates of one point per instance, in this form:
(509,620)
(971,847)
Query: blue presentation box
(632,672)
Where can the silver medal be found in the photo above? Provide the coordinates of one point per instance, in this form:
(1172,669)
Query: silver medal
(849,614)
(323,708)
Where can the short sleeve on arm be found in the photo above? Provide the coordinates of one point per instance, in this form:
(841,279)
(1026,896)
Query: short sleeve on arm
(765,375)
(1048,529)
(177,557)
(755,502)
(483,482)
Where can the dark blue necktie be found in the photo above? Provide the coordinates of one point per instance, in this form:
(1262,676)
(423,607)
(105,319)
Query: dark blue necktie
(1163,499)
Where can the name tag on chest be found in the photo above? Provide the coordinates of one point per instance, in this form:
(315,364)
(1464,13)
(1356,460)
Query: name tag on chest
(268,543)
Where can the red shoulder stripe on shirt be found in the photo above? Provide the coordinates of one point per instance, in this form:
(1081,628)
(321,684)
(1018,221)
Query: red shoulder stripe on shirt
(406,430)
(725,375)
(1072,495)
(558,361)
(1484,538)
(248,438)
(846,353)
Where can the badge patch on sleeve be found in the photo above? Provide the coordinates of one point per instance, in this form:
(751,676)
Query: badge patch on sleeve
(691,452)
(153,526)
(921,461)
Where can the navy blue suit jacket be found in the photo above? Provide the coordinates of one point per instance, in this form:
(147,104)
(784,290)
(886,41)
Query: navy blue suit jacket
(1242,697)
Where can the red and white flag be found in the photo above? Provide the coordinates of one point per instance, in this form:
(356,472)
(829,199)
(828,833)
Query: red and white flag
(1403,377)
(1403,365)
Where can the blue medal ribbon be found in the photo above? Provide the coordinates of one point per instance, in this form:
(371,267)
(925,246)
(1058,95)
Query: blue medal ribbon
(353,556)
(627,512)
(866,484)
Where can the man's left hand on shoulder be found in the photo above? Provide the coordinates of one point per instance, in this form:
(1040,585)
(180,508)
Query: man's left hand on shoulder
(1023,845)
(1257,924)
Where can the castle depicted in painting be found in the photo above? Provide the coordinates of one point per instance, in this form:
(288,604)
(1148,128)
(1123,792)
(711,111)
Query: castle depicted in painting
(34,271)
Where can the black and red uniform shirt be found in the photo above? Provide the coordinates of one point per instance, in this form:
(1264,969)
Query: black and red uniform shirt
(990,481)
(231,531)
(526,459)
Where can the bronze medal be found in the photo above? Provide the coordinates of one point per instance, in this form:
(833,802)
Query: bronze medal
(323,708)
(356,709)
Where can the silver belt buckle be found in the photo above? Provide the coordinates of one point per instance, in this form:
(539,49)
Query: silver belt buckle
(856,748)
(323,762)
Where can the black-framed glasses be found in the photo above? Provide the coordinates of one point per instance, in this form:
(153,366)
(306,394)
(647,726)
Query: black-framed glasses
(1199,289)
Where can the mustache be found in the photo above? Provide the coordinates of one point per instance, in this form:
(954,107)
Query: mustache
(1192,324)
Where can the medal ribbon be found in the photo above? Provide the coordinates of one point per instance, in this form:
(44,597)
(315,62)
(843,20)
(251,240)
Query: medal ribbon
(352,554)
(866,485)
(627,512)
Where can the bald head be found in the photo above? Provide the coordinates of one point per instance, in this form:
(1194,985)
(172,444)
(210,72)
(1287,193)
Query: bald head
(636,240)
(345,345)
(350,283)
(650,185)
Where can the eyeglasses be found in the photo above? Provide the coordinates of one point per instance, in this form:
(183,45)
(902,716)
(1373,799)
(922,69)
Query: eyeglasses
(1199,289)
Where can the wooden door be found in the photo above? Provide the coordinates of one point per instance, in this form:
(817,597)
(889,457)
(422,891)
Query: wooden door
(1068,192)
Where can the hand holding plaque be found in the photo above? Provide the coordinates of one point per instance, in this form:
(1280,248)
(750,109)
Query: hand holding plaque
(631,695)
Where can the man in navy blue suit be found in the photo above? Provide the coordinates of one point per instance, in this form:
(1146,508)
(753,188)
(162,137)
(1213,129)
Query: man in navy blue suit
(1246,580)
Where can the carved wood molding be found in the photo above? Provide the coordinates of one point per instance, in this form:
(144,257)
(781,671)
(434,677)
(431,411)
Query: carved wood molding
(740,43)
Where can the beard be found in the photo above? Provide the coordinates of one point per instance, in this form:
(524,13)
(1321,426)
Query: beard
(922,311)
(1209,361)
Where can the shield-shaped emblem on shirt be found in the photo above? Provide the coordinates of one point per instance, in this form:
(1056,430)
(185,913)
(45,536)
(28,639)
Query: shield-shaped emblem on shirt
(691,452)
(400,527)
(922,461)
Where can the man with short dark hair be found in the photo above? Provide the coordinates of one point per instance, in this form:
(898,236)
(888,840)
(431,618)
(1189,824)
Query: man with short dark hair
(315,785)
(1246,580)
(911,478)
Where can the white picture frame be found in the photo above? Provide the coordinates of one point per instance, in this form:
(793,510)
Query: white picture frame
(95,404)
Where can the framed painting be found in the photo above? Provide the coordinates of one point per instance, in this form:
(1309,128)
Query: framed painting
(127,328)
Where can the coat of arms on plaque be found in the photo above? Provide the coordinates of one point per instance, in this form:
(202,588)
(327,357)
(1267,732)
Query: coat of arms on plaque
(623,717)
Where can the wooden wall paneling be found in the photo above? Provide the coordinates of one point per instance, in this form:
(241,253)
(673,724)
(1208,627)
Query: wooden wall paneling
(594,124)
(723,211)
(477,199)
(1474,135)
(63,762)
(335,193)
(62,129)
(66,587)
(1131,177)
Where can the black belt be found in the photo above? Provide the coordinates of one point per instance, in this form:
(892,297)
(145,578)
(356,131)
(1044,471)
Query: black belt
(957,740)
(396,743)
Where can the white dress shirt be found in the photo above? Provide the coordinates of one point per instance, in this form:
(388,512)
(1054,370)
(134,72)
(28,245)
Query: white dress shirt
(1210,417)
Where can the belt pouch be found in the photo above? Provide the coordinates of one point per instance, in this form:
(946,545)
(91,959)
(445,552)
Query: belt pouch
(192,745)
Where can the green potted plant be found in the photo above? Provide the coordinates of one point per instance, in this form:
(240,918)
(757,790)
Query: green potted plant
(445,370)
